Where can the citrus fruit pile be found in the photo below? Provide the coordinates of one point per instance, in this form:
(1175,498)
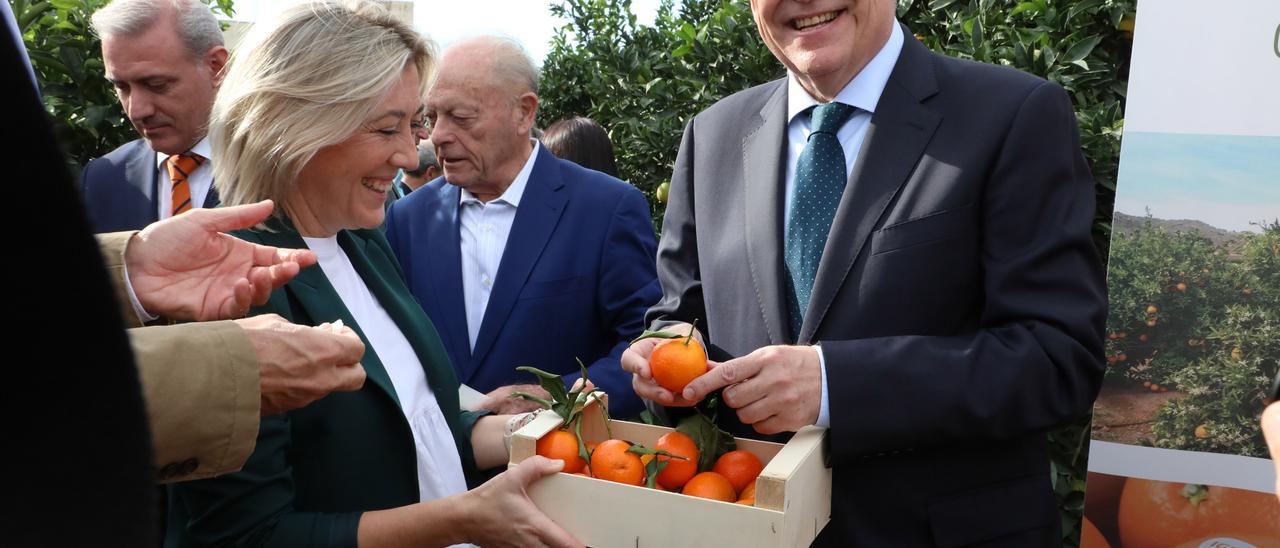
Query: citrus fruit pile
(670,465)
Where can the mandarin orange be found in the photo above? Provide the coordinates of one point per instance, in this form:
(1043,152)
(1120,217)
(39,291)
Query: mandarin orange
(611,461)
(675,362)
(710,485)
(677,472)
(562,445)
(739,467)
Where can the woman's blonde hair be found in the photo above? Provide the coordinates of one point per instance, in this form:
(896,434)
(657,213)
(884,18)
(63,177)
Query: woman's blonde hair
(302,82)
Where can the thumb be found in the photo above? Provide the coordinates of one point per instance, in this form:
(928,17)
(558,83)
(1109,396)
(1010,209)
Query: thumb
(225,219)
(534,468)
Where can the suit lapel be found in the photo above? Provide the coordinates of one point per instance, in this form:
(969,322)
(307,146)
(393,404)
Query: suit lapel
(141,172)
(763,175)
(540,207)
(211,199)
(445,272)
(899,131)
(313,292)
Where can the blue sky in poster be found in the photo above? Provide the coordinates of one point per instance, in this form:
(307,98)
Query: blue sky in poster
(1223,180)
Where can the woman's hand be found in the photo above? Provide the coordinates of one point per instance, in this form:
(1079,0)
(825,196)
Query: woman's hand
(500,513)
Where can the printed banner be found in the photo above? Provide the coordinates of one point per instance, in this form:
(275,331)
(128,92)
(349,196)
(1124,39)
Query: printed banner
(1177,457)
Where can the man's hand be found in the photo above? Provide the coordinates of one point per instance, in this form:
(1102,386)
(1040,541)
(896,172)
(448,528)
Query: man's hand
(1271,430)
(500,401)
(185,268)
(502,514)
(775,389)
(300,364)
(635,359)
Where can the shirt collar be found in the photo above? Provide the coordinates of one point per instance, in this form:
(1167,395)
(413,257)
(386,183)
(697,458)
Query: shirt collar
(202,147)
(863,91)
(514,192)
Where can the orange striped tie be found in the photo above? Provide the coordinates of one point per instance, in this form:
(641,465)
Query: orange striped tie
(181,166)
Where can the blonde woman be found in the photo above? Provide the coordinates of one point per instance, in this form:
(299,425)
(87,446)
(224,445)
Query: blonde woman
(318,111)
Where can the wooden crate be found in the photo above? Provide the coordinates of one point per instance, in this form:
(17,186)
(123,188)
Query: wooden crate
(793,495)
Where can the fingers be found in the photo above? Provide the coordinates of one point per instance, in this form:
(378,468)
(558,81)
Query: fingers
(302,257)
(757,411)
(722,375)
(350,378)
(241,299)
(262,281)
(650,390)
(635,358)
(746,391)
(350,347)
(772,425)
(226,219)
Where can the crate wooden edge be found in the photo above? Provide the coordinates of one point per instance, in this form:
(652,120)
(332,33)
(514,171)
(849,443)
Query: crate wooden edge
(790,491)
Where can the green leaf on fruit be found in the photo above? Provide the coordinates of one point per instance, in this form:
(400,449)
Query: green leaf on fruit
(710,439)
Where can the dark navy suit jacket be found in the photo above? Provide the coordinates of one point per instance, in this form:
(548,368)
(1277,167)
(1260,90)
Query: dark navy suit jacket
(575,279)
(959,302)
(120,189)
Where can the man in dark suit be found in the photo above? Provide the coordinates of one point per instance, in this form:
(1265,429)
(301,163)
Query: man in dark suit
(521,258)
(165,60)
(894,244)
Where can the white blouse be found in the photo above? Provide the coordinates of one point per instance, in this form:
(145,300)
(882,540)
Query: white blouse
(439,467)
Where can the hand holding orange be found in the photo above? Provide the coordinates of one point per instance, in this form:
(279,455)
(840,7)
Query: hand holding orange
(676,362)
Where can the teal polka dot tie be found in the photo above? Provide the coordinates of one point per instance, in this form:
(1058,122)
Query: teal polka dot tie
(819,181)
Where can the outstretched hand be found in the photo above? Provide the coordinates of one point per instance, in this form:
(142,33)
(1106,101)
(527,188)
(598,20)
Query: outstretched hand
(186,268)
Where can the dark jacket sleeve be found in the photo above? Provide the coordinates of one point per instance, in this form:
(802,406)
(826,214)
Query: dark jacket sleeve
(628,287)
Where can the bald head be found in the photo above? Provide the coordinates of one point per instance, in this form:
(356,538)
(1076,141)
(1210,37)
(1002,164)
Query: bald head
(497,61)
(482,106)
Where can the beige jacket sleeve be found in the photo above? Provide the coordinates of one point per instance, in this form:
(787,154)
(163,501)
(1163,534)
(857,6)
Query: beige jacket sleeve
(200,381)
(112,246)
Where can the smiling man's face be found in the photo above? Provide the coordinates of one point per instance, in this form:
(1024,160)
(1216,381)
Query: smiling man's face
(825,43)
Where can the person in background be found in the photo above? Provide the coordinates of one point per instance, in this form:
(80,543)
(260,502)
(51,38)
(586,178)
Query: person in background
(581,141)
(519,257)
(165,60)
(428,168)
(387,465)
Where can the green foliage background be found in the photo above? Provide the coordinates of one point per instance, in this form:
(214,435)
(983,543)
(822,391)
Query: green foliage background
(644,82)
(67,58)
(1204,320)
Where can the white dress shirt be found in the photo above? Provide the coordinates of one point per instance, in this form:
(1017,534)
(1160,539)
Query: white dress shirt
(862,92)
(483,231)
(199,181)
(439,466)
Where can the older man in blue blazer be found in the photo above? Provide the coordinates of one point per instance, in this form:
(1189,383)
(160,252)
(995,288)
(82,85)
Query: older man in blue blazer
(518,257)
